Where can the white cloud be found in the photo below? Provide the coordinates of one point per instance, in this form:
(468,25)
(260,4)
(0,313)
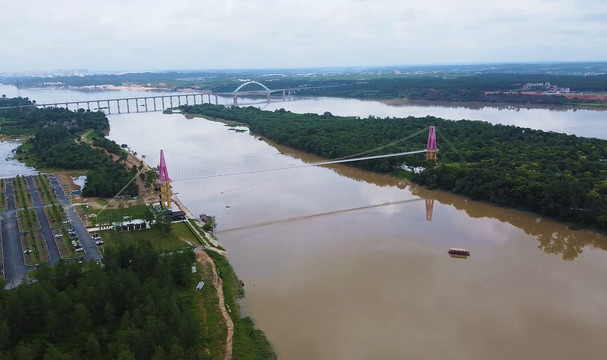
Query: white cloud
(254,33)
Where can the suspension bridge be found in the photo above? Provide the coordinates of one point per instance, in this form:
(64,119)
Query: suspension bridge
(431,151)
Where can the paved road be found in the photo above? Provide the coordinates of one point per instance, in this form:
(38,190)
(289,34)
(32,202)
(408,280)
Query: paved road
(15,269)
(45,228)
(92,252)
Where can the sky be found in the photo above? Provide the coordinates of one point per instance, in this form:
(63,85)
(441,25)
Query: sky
(135,35)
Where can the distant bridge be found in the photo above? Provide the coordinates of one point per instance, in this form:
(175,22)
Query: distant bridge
(286,92)
(130,104)
(163,102)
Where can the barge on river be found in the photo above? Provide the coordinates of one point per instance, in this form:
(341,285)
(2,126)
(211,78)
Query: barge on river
(461,252)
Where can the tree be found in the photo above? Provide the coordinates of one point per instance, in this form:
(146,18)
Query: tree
(210,225)
(162,220)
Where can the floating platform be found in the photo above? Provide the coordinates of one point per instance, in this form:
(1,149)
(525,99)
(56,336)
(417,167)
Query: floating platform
(460,252)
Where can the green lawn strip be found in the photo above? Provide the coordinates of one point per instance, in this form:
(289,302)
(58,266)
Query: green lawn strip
(23,199)
(27,220)
(213,326)
(249,342)
(34,249)
(47,196)
(1,253)
(184,231)
(19,183)
(41,182)
(109,216)
(159,241)
(28,252)
(3,202)
(19,200)
(54,212)
(41,248)
(64,244)
(204,239)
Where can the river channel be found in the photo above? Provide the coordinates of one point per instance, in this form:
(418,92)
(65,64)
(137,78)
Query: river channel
(339,263)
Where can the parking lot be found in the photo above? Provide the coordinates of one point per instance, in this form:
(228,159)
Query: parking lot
(14,258)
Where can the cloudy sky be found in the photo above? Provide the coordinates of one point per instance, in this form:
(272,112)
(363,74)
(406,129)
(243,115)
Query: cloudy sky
(218,34)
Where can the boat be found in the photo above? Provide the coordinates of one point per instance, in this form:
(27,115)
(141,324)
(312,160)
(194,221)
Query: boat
(458,251)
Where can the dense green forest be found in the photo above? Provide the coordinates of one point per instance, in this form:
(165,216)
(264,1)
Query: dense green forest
(55,140)
(558,175)
(494,88)
(138,305)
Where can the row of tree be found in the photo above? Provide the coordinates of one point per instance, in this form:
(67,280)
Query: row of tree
(558,175)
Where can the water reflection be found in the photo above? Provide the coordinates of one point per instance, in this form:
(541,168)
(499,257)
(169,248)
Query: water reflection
(553,237)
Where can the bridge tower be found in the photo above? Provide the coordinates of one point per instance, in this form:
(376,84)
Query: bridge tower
(164,183)
(431,149)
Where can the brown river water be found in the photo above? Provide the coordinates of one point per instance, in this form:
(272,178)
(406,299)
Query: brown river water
(339,263)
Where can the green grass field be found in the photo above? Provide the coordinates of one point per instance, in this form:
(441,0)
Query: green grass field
(162,242)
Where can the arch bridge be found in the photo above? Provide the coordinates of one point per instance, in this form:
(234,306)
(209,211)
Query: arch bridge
(264,91)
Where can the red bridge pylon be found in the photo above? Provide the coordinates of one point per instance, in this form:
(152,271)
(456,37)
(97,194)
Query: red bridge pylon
(431,149)
(164,183)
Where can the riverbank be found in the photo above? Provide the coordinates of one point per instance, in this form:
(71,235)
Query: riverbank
(586,105)
(499,170)
(242,338)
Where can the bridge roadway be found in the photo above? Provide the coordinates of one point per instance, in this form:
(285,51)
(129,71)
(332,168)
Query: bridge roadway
(158,103)
(161,102)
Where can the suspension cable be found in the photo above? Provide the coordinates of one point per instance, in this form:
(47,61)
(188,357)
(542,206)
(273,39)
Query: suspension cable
(452,148)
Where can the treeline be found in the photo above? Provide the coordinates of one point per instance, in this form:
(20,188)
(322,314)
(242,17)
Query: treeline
(55,147)
(558,175)
(25,121)
(468,88)
(56,141)
(132,307)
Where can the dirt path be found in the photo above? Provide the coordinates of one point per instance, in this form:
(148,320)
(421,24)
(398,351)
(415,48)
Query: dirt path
(203,258)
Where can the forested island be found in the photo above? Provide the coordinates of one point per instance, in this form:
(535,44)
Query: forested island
(557,175)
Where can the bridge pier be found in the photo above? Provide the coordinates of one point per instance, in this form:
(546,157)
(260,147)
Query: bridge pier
(216,100)
(235,98)
(109,111)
